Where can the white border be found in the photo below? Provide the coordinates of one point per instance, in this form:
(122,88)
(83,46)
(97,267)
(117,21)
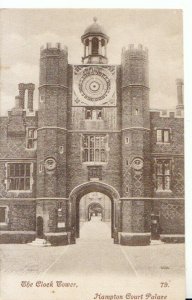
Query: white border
(94,4)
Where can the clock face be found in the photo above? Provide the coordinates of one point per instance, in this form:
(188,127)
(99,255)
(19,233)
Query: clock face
(94,85)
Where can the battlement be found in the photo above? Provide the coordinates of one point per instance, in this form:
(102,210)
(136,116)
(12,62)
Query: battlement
(131,48)
(53,47)
(165,113)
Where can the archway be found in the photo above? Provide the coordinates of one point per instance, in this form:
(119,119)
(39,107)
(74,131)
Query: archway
(83,189)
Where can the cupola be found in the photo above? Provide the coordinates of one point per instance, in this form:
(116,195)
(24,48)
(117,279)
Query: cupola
(95,42)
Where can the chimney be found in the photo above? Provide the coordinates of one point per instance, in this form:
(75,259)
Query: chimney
(179,83)
(31,88)
(18,103)
(21,87)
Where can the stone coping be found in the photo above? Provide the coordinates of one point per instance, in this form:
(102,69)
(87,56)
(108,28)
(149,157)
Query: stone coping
(135,233)
(55,233)
(172,235)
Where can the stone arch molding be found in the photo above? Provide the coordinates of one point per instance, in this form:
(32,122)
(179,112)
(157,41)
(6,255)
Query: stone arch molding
(94,186)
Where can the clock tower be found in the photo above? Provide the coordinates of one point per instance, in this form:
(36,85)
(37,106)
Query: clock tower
(93,136)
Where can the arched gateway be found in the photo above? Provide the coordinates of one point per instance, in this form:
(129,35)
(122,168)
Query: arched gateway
(78,192)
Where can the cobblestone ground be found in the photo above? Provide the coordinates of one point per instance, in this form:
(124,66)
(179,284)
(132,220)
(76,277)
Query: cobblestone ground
(95,254)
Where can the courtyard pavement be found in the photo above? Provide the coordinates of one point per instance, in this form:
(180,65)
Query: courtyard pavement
(93,257)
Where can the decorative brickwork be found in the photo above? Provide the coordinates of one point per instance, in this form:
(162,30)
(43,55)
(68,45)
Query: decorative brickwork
(171,215)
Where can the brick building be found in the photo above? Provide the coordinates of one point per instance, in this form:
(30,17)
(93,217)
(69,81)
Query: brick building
(93,133)
(95,204)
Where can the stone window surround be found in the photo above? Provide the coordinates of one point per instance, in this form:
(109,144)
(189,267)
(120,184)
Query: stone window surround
(61,149)
(41,167)
(34,139)
(6,215)
(96,116)
(107,149)
(163,128)
(170,176)
(126,140)
(31,176)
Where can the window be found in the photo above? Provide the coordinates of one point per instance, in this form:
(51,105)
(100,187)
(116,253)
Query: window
(163,173)
(19,176)
(61,149)
(3,215)
(95,46)
(31,138)
(126,140)
(163,135)
(40,168)
(42,98)
(94,148)
(103,47)
(93,114)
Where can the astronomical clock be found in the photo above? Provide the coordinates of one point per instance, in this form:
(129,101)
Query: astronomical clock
(94,85)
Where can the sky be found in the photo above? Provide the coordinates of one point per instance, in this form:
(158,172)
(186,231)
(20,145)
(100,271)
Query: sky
(24,31)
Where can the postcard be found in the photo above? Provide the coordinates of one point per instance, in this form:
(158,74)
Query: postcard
(92,154)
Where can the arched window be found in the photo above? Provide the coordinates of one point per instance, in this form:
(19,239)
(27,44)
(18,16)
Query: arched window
(95,46)
(86,47)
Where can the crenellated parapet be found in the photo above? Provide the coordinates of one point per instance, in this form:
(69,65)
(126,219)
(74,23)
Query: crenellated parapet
(134,61)
(137,50)
(53,65)
(54,47)
(167,113)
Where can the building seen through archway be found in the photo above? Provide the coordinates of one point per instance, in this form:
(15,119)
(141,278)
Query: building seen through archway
(95,204)
(95,216)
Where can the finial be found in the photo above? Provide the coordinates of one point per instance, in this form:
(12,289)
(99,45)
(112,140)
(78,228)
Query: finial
(95,19)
